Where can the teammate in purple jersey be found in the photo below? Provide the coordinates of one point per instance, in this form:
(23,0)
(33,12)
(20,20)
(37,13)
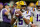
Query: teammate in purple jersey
(5,13)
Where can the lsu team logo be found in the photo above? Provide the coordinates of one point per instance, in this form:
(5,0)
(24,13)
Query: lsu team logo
(27,12)
(33,9)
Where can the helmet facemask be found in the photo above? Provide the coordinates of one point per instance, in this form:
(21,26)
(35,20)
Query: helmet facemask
(23,7)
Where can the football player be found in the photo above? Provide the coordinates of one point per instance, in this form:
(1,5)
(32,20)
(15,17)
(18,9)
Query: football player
(23,18)
(30,6)
(36,14)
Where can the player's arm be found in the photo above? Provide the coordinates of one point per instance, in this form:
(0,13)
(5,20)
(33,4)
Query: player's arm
(26,20)
(13,20)
(6,13)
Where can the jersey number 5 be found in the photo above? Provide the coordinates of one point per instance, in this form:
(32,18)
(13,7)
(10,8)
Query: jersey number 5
(20,21)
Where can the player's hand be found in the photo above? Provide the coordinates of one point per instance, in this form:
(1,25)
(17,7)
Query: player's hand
(8,10)
(20,13)
(33,25)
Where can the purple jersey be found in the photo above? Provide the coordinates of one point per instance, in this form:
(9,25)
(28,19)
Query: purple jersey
(5,17)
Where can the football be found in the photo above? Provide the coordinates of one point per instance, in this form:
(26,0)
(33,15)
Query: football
(17,14)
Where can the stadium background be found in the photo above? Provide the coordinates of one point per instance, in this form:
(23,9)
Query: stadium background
(27,1)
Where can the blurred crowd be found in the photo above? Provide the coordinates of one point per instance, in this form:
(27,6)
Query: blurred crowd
(17,14)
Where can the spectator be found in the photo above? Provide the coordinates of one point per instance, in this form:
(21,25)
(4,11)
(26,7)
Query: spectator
(1,20)
(6,19)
